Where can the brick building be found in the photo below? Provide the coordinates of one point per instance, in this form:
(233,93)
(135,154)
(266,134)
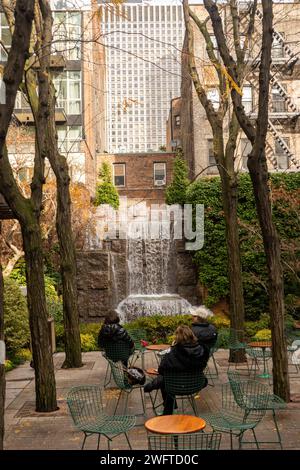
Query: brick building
(283,139)
(77,66)
(174,125)
(140,176)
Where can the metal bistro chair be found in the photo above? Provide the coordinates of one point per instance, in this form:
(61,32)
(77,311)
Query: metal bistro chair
(85,406)
(259,356)
(238,416)
(274,403)
(185,385)
(194,441)
(115,352)
(119,375)
(140,350)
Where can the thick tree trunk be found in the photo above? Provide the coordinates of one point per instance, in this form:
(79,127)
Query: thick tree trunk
(40,341)
(2,371)
(237,313)
(259,177)
(229,184)
(68,268)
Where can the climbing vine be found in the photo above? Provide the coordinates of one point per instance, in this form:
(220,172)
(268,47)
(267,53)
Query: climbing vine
(212,259)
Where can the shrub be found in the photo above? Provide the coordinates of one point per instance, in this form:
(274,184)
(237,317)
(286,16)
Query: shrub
(22,355)
(263,335)
(220,322)
(16,324)
(211,260)
(176,191)
(106,192)
(88,342)
(9,365)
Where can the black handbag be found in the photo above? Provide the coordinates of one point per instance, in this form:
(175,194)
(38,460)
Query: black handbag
(135,376)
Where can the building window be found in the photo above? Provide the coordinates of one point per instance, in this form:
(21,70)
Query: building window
(67,34)
(214,97)
(119,174)
(246,148)
(159,174)
(283,160)
(247,98)
(177,120)
(68,88)
(212,170)
(5,37)
(278,102)
(69,138)
(278,47)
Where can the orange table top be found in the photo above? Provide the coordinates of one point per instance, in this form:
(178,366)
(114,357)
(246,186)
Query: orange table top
(151,371)
(260,344)
(157,347)
(175,424)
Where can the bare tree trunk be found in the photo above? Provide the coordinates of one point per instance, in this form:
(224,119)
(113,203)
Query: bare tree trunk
(40,341)
(68,267)
(2,370)
(63,214)
(259,176)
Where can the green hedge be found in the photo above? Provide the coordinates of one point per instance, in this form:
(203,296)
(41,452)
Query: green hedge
(212,259)
(16,324)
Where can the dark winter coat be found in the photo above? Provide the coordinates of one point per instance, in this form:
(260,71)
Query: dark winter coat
(206,333)
(114,333)
(184,357)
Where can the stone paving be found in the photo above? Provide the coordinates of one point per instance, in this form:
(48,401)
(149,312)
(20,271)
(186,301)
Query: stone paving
(27,429)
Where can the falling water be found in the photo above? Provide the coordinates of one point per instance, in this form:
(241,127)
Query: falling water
(151,279)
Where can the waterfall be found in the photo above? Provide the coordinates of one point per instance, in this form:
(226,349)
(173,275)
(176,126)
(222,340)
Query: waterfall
(151,279)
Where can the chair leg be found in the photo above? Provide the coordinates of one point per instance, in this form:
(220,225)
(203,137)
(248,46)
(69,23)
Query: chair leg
(255,438)
(118,401)
(98,444)
(277,429)
(215,365)
(128,440)
(143,401)
(107,375)
(231,441)
(194,406)
(85,436)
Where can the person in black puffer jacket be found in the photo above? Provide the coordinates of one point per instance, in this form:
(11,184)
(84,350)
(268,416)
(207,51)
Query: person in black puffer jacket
(185,355)
(206,332)
(113,333)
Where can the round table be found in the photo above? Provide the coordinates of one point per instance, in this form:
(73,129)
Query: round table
(263,345)
(175,424)
(157,347)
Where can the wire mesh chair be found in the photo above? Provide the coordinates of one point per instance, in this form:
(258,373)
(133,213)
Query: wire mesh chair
(115,351)
(274,403)
(185,385)
(86,409)
(194,441)
(292,353)
(120,378)
(139,349)
(239,412)
(257,356)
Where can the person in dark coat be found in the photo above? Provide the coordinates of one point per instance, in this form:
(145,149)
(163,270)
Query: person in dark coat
(112,333)
(185,355)
(205,332)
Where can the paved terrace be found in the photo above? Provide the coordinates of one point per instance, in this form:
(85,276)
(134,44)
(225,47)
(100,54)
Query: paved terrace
(26,429)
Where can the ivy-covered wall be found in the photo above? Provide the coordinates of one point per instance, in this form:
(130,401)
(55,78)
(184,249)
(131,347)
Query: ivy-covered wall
(211,261)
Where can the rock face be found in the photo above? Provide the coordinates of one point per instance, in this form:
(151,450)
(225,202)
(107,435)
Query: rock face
(104,282)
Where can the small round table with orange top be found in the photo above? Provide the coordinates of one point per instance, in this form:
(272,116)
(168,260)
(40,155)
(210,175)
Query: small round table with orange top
(263,345)
(175,424)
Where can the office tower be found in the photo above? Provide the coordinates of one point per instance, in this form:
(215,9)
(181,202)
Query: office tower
(143,42)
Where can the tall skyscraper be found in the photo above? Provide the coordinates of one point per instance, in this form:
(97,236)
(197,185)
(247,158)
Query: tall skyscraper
(143,42)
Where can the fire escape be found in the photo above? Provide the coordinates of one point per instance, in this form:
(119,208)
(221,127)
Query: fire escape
(283,113)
